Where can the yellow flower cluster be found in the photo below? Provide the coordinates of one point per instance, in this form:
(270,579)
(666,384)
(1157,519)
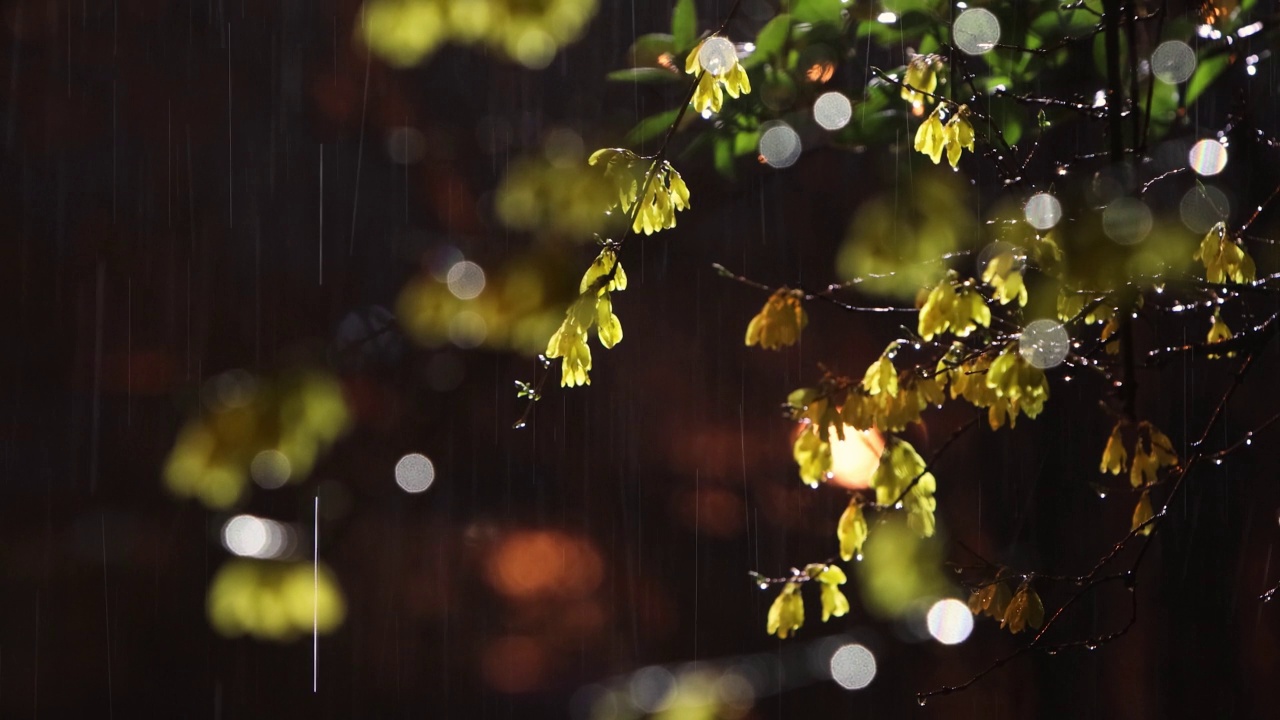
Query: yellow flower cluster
(920,78)
(403,32)
(1015,611)
(1224,260)
(812,455)
(1005,281)
(274,600)
(889,401)
(664,190)
(958,308)
(1142,515)
(1152,450)
(901,474)
(991,600)
(709,95)
(274,431)
(594,307)
(786,614)
(1005,385)
(1071,303)
(830,578)
(1219,332)
(779,322)
(851,531)
(933,137)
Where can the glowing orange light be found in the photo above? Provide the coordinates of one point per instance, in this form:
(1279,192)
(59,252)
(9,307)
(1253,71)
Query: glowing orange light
(854,459)
(540,563)
(820,72)
(667,61)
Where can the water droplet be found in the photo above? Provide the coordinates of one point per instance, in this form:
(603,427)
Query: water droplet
(764,586)
(1042,211)
(1173,61)
(921,700)
(858,557)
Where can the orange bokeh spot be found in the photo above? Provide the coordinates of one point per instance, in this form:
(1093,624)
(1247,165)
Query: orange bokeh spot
(539,563)
(854,459)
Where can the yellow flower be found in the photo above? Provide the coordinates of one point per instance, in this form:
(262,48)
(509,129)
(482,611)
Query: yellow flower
(570,343)
(779,322)
(1025,610)
(786,615)
(882,376)
(902,470)
(1152,451)
(1114,457)
(992,600)
(931,137)
(921,77)
(960,310)
(1219,332)
(834,603)
(958,135)
(852,531)
(1142,514)
(1004,280)
(709,96)
(813,455)
(1018,386)
(665,192)
(1223,259)
(594,307)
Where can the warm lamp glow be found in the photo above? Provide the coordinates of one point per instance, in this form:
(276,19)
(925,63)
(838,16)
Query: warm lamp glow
(854,459)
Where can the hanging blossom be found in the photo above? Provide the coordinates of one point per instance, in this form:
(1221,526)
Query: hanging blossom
(594,307)
(709,96)
(629,173)
(933,136)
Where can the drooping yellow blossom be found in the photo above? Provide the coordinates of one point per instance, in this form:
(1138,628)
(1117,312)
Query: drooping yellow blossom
(1025,610)
(1114,457)
(901,477)
(882,376)
(960,310)
(709,96)
(933,137)
(786,614)
(834,603)
(1224,260)
(991,600)
(779,322)
(1219,332)
(920,78)
(593,307)
(1005,280)
(852,531)
(1152,451)
(813,455)
(664,191)
(1110,330)
(1142,514)
(891,413)
(1018,385)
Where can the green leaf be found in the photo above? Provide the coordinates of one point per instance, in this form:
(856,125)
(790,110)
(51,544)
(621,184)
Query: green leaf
(746,143)
(645,75)
(724,157)
(652,127)
(684,25)
(646,50)
(770,40)
(1012,129)
(1206,72)
(817,11)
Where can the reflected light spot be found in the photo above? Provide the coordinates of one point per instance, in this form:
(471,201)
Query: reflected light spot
(820,72)
(855,458)
(949,621)
(780,146)
(735,691)
(541,562)
(887,18)
(976,31)
(270,469)
(406,145)
(651,688)
(717,55)
(468,329)
(564,147)
(513,664)
(1127,221)
(832,110)
(1207,157)
(1202,207)
(466,280)
(249,536)
(415,473)
(1042,211)
(853,667)
(1173,61)
(535,49)
(1044,343)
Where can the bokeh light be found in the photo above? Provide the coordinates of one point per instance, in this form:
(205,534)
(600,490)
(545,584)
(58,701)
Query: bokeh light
(270,469)
(544,563)
(1042,211)
(853,667)
(855,458)
(976,31)
(406,145)
(651,688)
(1207,157)
(832,110)
(415,473)
(1044,343)
(949,621)
(1173,61)
(780,146)
(1202,207)
(465,280)
(717,55)
(274,600)
(1127,221)
(468,329)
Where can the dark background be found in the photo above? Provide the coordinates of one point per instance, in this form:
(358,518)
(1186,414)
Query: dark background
(161,212)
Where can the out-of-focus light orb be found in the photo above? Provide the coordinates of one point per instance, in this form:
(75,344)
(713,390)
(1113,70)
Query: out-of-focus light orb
(855,458)
(651,688)
(976,31)
(1207,157)
(564,147)
(1042,211)
(465,280)
(1202,207)
(249,536)
(535,49)
(717,55)
(1044,343)
(1127,221)
(468,329)
(1173,61)
(949,621)
(780,146)
(406,145)
(270,469)
(887,18)
(735,691)
(832,110)
(415,473)
(853,667)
